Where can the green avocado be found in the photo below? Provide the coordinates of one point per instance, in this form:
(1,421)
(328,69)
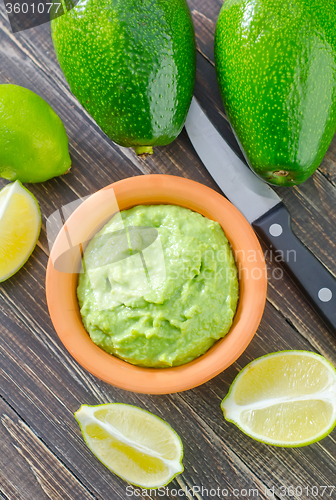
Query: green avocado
(132,65)
(276,68)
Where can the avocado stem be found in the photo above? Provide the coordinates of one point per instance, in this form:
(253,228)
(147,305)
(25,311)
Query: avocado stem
(281,173)
(143,150)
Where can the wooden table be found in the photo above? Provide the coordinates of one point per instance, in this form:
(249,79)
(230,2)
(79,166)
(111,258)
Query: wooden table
(43,455)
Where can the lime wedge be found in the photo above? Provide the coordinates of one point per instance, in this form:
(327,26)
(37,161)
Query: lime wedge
(285,399)
(139,447)
(20,224)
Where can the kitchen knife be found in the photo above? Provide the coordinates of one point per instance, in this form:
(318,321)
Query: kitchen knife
(265,211)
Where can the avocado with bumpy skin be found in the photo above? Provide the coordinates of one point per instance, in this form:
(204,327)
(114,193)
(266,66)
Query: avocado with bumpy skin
(276,68)
(132,65)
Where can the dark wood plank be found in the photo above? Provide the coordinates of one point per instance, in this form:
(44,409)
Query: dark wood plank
(45,385)
(328,166)
(29,470)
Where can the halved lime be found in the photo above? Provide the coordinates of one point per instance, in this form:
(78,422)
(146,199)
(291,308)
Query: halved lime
(286,398)
(134,444)
(20,224)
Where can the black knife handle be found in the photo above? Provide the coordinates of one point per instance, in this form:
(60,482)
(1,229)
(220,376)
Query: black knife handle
(315,281)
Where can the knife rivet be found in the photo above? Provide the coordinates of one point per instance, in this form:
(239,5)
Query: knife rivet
(325,295)
(275,230)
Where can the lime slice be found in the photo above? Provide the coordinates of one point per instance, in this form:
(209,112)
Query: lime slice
(134,444)
(286,399)
(20,224)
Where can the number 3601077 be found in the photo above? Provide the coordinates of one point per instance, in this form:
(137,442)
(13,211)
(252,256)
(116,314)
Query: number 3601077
(31,8)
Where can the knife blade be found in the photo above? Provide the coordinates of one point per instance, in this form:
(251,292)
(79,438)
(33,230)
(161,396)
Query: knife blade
(265,211)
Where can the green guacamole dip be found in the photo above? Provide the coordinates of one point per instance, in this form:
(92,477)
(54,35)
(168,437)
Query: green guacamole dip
(159,286)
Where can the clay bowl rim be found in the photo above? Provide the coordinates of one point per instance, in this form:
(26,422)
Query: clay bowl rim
(158,189)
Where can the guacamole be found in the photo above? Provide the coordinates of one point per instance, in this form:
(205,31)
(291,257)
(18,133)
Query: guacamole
(158,286)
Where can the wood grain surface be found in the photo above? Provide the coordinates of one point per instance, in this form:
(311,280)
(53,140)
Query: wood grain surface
(43,455)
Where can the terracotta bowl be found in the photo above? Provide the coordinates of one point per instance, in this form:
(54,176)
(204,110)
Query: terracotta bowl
(90,218)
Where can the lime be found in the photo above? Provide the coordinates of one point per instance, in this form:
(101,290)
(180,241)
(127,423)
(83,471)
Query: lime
(33,140)
(285,398)
(20,224)
(134,444)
